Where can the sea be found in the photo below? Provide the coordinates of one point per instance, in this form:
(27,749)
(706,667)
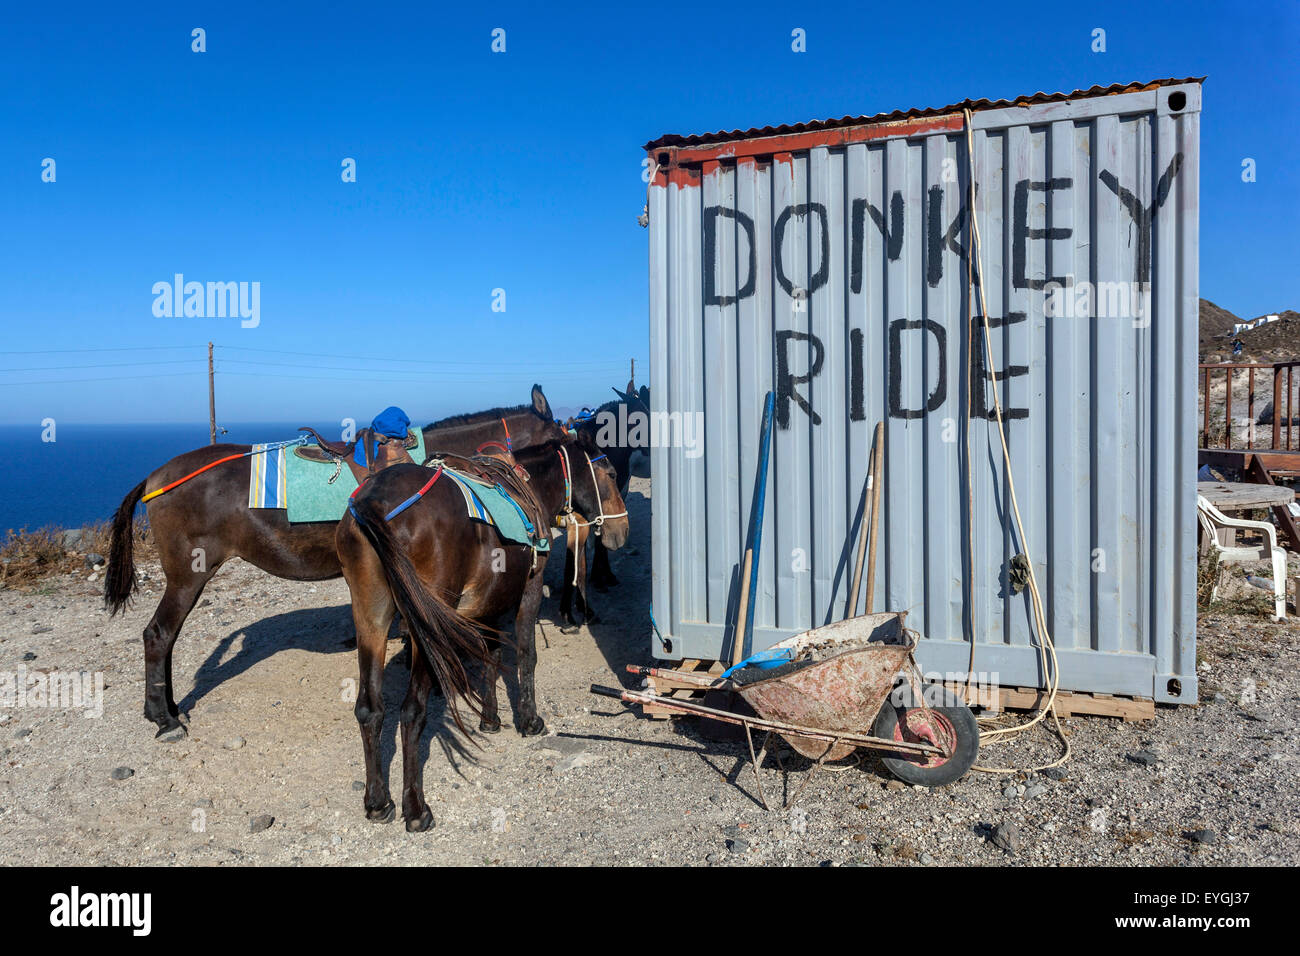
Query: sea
(82,476)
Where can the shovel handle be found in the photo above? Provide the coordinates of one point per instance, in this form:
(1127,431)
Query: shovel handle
(742,611)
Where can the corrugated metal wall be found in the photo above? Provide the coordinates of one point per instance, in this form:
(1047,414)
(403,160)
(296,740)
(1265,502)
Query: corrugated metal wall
(1099,189)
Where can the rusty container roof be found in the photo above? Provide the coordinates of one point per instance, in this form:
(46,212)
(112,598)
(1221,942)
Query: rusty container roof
(812,126)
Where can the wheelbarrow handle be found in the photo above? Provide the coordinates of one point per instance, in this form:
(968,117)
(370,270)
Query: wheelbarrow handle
(608,691)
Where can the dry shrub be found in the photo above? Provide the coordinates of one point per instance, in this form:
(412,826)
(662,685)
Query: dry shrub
(28,556)
(1233,599)
(31,554)
(1207,575)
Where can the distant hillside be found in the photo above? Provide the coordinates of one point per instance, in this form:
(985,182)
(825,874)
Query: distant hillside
(1273,342)
(1215,322)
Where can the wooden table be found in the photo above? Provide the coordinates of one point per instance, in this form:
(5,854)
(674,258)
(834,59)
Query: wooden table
(1230,496)
(1240,495)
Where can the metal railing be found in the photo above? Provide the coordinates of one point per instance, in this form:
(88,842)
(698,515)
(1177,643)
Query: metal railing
(1285,403)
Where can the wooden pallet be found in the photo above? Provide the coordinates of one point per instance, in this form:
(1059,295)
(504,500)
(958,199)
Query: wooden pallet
(667,687)
(1068,703)
(990,698)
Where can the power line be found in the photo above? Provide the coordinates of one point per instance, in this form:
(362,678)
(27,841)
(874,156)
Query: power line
(443,374)
(404,381)
(51,368)
(453,362)
(136,348)
(117,378)
(481,374)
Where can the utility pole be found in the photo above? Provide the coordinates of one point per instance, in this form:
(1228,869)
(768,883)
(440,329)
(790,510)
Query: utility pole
(212,402)
(632,374)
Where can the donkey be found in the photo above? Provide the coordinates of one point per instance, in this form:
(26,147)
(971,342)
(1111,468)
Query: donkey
(600,434)
(202,523)
(411,547)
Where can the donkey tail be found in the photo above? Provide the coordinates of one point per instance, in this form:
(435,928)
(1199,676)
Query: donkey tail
(444,635)
(119,579)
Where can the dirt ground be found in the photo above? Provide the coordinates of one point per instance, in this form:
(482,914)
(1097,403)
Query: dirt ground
(263,670)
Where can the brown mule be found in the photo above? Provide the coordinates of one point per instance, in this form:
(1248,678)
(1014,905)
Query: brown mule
(597,438)
(201,524)
(573,594)
(455,580)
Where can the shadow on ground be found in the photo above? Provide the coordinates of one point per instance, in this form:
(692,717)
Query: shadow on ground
(320,630)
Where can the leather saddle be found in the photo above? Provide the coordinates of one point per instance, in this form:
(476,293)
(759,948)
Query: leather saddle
(502,470)
(378,451)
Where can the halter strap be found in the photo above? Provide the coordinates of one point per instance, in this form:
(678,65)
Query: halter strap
(595,485)
(568,483)
(400,508)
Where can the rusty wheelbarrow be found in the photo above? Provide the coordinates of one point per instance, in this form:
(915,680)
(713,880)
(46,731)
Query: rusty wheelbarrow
(833,689)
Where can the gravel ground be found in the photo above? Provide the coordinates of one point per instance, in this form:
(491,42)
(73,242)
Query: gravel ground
(270,769)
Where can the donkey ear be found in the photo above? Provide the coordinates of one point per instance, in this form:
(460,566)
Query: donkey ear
(540,404)
(622,396)
(631,386)
(645,395)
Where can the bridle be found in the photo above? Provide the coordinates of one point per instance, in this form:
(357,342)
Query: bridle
(508,447)
(567,518)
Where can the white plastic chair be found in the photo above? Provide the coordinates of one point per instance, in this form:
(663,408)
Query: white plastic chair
(1213,520)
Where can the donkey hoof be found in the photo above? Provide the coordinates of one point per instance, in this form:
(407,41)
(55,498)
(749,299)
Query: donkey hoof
(533,728)
(592,617)
(385,814)
(169,728)
(493,727)
(421,823)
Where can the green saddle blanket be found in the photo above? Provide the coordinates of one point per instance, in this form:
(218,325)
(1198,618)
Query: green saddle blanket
(313,497)
(490,504)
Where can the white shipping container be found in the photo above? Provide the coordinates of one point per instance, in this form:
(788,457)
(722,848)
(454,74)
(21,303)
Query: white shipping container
(828,262)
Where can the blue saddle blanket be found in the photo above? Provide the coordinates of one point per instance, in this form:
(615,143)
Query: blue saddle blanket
(307,490)
(267,484)
(491,504)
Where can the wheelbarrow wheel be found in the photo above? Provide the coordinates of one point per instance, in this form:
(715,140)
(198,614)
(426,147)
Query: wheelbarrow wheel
(952,726)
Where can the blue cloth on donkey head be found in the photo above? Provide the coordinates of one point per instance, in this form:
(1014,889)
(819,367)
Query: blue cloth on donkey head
(392,421)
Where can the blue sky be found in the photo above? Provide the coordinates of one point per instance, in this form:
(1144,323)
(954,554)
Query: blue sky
(479,171)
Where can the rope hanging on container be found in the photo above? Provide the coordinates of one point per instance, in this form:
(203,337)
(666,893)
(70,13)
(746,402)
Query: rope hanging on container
(1045,645)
